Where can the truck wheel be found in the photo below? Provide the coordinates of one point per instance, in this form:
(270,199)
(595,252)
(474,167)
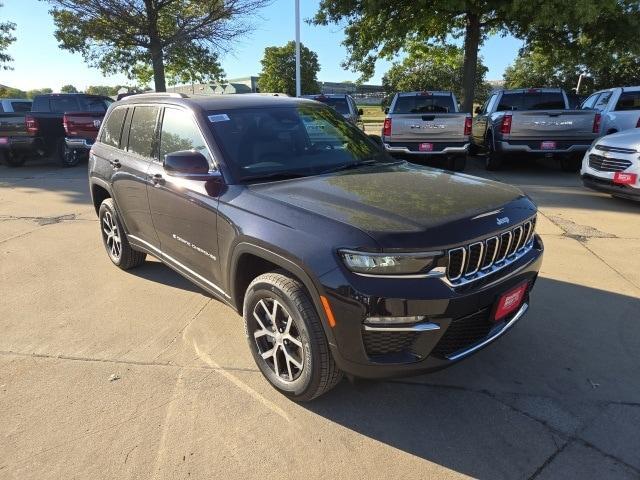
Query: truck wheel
(14,160)
(67,156)
(456,163)
(493,161)
(114,239)
(286,337)
(570,163)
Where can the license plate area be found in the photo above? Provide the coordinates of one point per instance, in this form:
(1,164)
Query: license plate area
(510,301)
(425,147)
(548,145)
(622,178)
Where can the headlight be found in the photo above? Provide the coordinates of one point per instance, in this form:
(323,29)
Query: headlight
(389,263)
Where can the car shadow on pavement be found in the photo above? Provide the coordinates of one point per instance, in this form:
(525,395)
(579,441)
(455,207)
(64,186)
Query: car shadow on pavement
(156,271)
(506,411)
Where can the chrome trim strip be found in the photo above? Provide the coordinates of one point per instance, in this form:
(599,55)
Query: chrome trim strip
(406,151)
(462,266)
(434,253)
(479,258)
(458,355)
(419,327)
(177,263)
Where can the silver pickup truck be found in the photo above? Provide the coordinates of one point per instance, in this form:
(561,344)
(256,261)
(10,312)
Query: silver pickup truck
(618,107)
(427,124)
(533,121)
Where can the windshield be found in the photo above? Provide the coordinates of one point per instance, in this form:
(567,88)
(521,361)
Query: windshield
(339,104)
(289,141)
(424,104)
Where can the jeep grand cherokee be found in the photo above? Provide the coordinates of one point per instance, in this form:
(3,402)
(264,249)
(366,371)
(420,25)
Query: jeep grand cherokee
(339,257)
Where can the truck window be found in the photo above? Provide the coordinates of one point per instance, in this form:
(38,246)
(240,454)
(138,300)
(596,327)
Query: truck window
(90,104)
(531,101)
(40,104)
(179,132)
(424,104)
(21,106)
(338,104)
(590,102)
(113,128)
(603,100)
(143,127)
(64,103)
(629,101)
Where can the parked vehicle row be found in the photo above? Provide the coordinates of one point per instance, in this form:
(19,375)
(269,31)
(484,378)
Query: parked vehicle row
(62,125)
(340,258)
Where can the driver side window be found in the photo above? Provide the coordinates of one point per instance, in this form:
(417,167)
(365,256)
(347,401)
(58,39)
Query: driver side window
(179,132)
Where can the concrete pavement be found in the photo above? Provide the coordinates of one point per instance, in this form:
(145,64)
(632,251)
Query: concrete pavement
(111,374)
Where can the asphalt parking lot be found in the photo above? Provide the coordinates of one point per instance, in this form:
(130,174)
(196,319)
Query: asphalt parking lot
(111,374)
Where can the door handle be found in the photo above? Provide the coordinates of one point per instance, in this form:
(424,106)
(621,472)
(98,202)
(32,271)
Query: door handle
(157,179)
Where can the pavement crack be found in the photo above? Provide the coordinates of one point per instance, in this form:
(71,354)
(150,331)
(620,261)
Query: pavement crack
(576,231)
(548,461)
(41,220)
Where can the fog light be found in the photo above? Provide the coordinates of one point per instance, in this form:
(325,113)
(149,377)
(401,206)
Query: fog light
(393,320)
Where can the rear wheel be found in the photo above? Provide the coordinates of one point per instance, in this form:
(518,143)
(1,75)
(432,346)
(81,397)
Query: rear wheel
(115,240)
(13,159)
(286,337)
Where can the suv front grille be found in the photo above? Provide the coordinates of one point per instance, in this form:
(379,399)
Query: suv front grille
(605,164)
(478,259)
(464,332)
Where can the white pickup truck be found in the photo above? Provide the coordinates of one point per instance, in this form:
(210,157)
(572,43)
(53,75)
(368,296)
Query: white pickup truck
(619,108)
(422,125)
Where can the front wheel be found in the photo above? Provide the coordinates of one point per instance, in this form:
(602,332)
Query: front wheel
(286,337)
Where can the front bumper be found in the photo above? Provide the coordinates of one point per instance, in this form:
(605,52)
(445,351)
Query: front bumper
(439,148)
(457,319)
(599,174)
(534,147)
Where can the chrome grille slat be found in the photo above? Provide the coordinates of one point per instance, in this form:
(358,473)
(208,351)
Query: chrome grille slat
(605,164)
(470,262)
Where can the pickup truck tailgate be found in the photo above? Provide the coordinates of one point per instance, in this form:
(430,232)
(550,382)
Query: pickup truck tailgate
(436,127)
(12,124)
(552,124)
(82,124)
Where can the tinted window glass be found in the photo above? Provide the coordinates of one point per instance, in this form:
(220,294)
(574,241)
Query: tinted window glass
(40,104)
(532,101)
(90,104)
(21,106)
(64,103)
(590,102)
(629,101)
(143,124)
(339,104)
(179,132)
(424,104)
(302,140)
(603,100)
(113,128)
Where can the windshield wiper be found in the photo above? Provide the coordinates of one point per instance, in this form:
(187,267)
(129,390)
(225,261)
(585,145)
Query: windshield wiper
(274,176)
(350,166)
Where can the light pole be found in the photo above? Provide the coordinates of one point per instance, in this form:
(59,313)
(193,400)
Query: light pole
(298,89)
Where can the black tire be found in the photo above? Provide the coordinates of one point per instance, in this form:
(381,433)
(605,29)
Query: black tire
(493,159)
(14,160)
(65,155)
(319,372)
(570,163)
(456,163)
(124,257)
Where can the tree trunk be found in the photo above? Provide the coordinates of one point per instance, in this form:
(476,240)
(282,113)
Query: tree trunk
(157,61)
(471,45)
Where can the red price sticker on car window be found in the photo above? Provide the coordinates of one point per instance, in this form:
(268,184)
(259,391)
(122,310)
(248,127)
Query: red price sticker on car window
(425,147)
(625,178)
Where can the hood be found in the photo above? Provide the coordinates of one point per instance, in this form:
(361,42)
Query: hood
(625,139)
(404,205)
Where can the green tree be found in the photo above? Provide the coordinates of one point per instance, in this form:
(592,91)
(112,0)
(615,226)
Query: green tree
(434,67)
(6,39)
(69,89)
(38,91)
(151,37)
(380,29)
(279,70)
(104,90)
(8,92)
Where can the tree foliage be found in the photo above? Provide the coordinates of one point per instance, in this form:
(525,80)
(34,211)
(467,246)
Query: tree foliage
(279,70)
(38,91)
(606,50)
(8,92)
(6,39)
(381,29)
(152,38)
(68,89)
(434,67)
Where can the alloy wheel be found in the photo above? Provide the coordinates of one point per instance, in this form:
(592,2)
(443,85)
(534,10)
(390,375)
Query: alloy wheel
(278,339)
(111,235)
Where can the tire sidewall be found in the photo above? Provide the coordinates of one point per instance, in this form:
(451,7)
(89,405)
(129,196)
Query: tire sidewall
(261,290)
(107,206)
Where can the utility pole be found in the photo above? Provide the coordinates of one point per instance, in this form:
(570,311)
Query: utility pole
(298,89)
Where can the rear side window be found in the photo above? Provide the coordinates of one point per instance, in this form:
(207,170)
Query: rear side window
(64,103)
(532,101)
(113,128)
(142,132)
(629,101)
(424,104)
(590,102)
(603,101)
(179,132)
(21,106)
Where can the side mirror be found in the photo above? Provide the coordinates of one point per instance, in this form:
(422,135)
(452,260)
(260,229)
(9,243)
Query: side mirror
(185,163)
(477,111)
(360,111)
(386,110)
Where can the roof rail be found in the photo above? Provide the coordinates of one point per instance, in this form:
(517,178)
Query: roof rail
(159,95)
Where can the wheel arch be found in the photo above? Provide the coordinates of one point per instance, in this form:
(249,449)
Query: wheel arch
(99,192)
